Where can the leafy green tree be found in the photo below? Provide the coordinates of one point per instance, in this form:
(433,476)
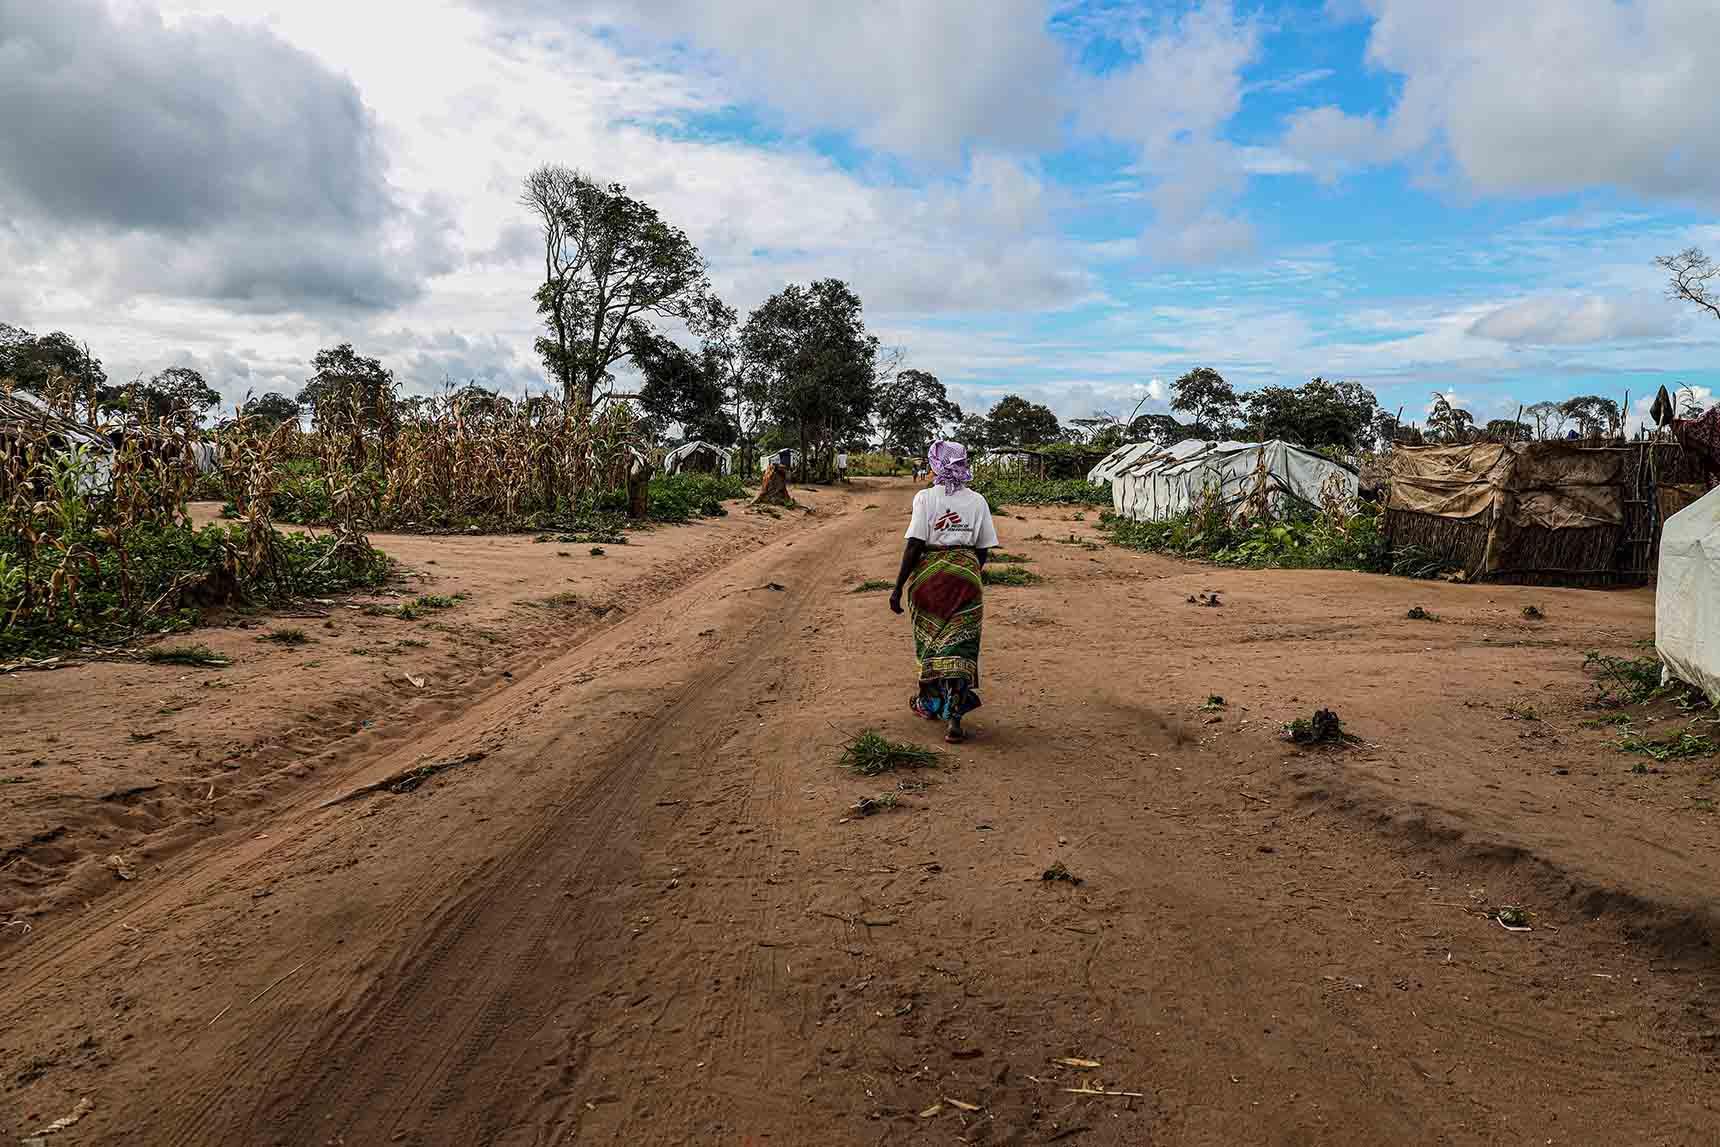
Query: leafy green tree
(972,431)
(1505,430)
(610,264)
(1318,413)
(684,388)
(1205,394)
(178,394)
(1014,421)
(912,407)
(351,392)
(1160,428)
(270,409)
(35,363)
(1548,418)
(1595,416)
(809,352)
(1450,424)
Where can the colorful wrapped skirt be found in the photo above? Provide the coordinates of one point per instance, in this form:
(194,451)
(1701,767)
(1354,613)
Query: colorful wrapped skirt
(946,604)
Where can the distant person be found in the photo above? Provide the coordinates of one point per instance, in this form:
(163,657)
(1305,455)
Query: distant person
(842,465)
(948,537)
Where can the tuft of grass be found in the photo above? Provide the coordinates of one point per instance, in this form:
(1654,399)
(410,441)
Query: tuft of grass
(1417,613)
(436,601)
(291,635)
(1533,613)
(1009,575)
(869,755)
(867,806)
(1001,556)
(1323,728)
(200,655)
(1621,681)
(1673,747)
(596,551)
(1212,702)
(873,585)
(1521,713)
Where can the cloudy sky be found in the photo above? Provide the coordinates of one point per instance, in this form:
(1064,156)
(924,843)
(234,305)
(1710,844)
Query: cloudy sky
(1076,200)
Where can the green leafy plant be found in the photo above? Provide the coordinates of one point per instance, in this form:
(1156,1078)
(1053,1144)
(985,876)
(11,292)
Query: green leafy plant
(1673,746)
(1009,575)
(199,655)
(290,635)
(873,585)
(1621,681)
(870,754)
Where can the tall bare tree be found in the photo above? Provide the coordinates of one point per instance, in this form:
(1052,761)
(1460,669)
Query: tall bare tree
(610,264)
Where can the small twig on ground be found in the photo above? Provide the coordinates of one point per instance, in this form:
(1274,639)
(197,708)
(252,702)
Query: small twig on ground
(406,780)
(273,986)
(1095,1091)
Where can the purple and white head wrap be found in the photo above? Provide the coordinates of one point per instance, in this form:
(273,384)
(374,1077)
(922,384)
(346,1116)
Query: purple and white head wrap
(949,465)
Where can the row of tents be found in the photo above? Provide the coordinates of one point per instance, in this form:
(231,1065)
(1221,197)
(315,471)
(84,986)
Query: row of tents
(1555,513)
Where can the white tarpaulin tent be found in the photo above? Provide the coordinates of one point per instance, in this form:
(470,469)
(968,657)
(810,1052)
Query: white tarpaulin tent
(1108,466)
(1169,482)
(1687,595)
(696,455)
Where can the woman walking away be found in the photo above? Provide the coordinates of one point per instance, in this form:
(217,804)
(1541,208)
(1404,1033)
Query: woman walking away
(948,538)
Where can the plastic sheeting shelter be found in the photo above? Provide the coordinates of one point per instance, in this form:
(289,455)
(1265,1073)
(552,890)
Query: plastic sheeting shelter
(1687,598)
(1169,482)
(1543,513)
(698,457)
(24,419)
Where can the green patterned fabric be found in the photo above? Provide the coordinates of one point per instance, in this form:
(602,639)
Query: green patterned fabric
(946,604)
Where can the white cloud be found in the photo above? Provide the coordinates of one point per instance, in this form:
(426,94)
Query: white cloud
(1173,103)
(1573,320)
(922,79)
(1540,96)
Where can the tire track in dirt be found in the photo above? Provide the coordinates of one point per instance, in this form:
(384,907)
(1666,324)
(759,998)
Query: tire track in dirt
(473,992)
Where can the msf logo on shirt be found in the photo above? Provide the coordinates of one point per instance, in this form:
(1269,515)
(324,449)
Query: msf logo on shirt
(952,522)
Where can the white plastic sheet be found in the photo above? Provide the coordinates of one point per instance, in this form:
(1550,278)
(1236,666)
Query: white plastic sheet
(1687,595)
(1169,482)
(679,457)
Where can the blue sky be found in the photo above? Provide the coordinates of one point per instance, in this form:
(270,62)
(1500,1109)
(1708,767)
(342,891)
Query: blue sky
(1075,200)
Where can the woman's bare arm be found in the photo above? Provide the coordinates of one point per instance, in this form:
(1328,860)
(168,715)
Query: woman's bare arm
(910,558)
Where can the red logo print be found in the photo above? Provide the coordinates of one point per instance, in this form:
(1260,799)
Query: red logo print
(949,520)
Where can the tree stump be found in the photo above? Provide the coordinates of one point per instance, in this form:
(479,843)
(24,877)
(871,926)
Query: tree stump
(774,492)
(638,490)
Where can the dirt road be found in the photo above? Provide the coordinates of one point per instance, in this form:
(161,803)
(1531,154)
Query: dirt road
(639,909)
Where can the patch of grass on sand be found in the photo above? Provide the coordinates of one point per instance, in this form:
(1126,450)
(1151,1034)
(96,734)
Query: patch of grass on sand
(437,601)
(1009,575)
(873,585)
(1000,556)
(186,655)
(291,635)
(867,806)
(1673,747)
(870,754)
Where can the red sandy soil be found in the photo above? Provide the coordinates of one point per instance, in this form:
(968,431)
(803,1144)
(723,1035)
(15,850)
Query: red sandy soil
(642,910)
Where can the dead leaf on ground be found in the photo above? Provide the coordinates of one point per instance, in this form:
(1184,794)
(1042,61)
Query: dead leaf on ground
(121,869)
(934,1109)
(960,1106)
(1070,1061)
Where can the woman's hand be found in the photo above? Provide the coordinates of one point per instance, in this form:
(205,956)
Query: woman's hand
(896,600)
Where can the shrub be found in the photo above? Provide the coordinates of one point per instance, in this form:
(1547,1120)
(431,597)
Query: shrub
(1001,487)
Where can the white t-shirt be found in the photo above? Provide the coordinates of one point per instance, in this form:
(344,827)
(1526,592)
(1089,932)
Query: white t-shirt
(958,519)
(842,461)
